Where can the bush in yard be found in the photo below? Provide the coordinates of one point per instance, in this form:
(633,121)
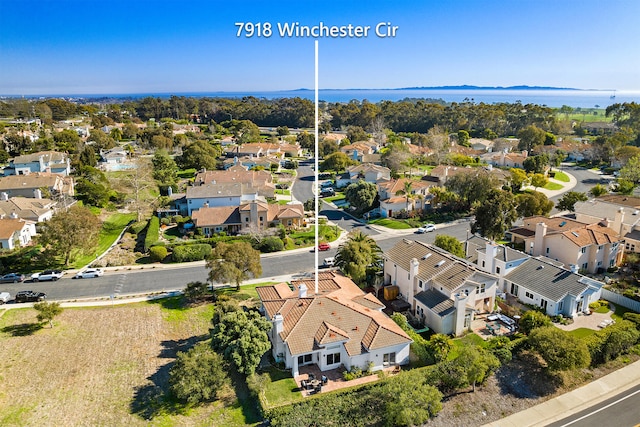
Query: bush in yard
(198,374)
(533,319)
(271,244)
(196,291)
(612,341)
(153,233)
(158,253)
(188,253)
(561,350)
(137,227)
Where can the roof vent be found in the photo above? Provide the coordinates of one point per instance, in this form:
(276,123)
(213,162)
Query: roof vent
(426,256)
(439,263)
(575,234)
(540,267)
(563,223)
(636,212)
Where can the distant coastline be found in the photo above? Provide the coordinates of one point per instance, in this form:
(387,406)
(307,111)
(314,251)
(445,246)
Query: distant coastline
(541,95)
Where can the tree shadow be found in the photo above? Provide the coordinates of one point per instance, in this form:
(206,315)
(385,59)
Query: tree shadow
(22,330)
(171,303)
(155,398)
(525,377)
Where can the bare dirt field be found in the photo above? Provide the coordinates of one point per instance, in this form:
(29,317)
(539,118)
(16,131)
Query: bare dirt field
(101,367)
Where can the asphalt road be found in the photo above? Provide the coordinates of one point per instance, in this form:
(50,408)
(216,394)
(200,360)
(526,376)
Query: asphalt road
(586,180)
(619,411)
(302,189)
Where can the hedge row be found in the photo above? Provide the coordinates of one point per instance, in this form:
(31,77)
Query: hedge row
(187,253)
(153,233)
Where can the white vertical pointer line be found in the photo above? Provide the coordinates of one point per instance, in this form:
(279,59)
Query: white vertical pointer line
(601,409)
(317,223)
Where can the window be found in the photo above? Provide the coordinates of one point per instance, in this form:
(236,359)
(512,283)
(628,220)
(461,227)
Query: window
(420,283)
(514,289)
(583,250)
(389,358)
(303,360)
(548,250)
(600,247)
(497,270)
(585,266)
(483,263)
(480,289)
(333,358)
(408,275)
(528,295)
(560,304)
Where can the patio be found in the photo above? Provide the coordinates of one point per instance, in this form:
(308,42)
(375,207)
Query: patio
(595,321)
(335,381)
(489,325)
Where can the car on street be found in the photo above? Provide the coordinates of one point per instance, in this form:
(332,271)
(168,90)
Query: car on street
(47,275)
(89,273)
(30,296)
(12,278)
(324,247)
(427,228)
(329,262)
(4,297)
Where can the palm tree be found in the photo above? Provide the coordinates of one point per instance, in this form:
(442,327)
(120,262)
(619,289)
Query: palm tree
(407,192)
(441,345)
(358,257)
(411,163)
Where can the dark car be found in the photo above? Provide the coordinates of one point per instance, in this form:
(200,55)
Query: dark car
(12,278)
(30,296)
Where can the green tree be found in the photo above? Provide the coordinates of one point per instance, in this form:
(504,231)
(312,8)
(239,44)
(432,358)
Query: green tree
(624,186)
(569,199)
(198,375)
(440,345)
(356,133)
(196,291)
(307,141)
(361,195)
(356,255)
(496,215)
(233,263)
(463,138)
(71,233)
(538,180)
(337,161)
(530,137)
(409,400)
(450,244)
(533,203)
(282,130)
(518,178)
(561,350)
(242,338)
(533,319)
(598,190)
(472,189)
(631,171)
(199,155)
(47,311)
(536,164)
(477,363)
(165,169)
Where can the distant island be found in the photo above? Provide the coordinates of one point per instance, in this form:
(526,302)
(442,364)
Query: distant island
(463,87)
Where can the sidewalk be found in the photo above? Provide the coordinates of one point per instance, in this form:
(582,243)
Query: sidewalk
(574,401)
(566,186)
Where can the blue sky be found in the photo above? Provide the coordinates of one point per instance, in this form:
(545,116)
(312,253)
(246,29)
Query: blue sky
(96,46)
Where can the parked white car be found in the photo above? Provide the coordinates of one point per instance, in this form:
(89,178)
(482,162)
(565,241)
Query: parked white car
(4,297)
(47,275)
(427,228)
(89,273)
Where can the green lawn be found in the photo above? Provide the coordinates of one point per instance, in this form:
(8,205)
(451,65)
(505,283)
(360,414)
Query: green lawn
(281,388)
(187,173)
(553,186)
(561,176)
(111,229)
(246,291)
(582,332)
(338,196)
(283,192)
(619,313)
(391,223)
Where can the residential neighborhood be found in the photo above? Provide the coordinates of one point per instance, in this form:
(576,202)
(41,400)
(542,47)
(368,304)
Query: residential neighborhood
(432,256)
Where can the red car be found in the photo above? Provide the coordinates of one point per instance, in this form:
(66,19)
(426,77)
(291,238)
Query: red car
(324,247)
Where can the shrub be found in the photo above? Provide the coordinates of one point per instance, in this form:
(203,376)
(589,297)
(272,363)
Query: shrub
(158,253)
(271,244)
(188,253)
(165,221)
(196,291)
(137,227)
(198,374)
(533,319)
(613,341)
(153,233)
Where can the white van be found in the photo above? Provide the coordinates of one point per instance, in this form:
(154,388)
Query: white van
(329,262)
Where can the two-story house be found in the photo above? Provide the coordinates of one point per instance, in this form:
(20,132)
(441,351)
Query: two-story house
(393,200)
(44,161)
(365,171)
(442,290)
(334,324)
(591,247)
(37,184)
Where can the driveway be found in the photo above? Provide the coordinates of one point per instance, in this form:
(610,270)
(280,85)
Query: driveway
(591,321)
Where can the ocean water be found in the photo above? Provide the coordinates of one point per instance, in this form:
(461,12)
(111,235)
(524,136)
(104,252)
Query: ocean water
(548,97)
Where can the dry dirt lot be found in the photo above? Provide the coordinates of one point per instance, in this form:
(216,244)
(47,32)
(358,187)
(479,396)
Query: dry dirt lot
(99,367)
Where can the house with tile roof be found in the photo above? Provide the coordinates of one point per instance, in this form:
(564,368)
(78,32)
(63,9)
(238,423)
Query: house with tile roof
(492,258)
(556,290)
(255,214)
(36,210)
(34,184)
(591,247)
(366,171)
(444,291)
(393,202)
(441,173)
(43,161)
(622,213)
(15,232)
(224,194)
(333,325)
(235,173)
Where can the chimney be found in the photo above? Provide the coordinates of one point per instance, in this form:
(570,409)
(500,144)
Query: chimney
(490,252)
(37,194)
(4,196)
(13,215)
(278,323)
(169,191)
(302,291)
(541,232)
(414,268)
(525,153)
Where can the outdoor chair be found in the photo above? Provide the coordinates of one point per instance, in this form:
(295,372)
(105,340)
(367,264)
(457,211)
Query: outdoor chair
(303,384)
(325,380)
